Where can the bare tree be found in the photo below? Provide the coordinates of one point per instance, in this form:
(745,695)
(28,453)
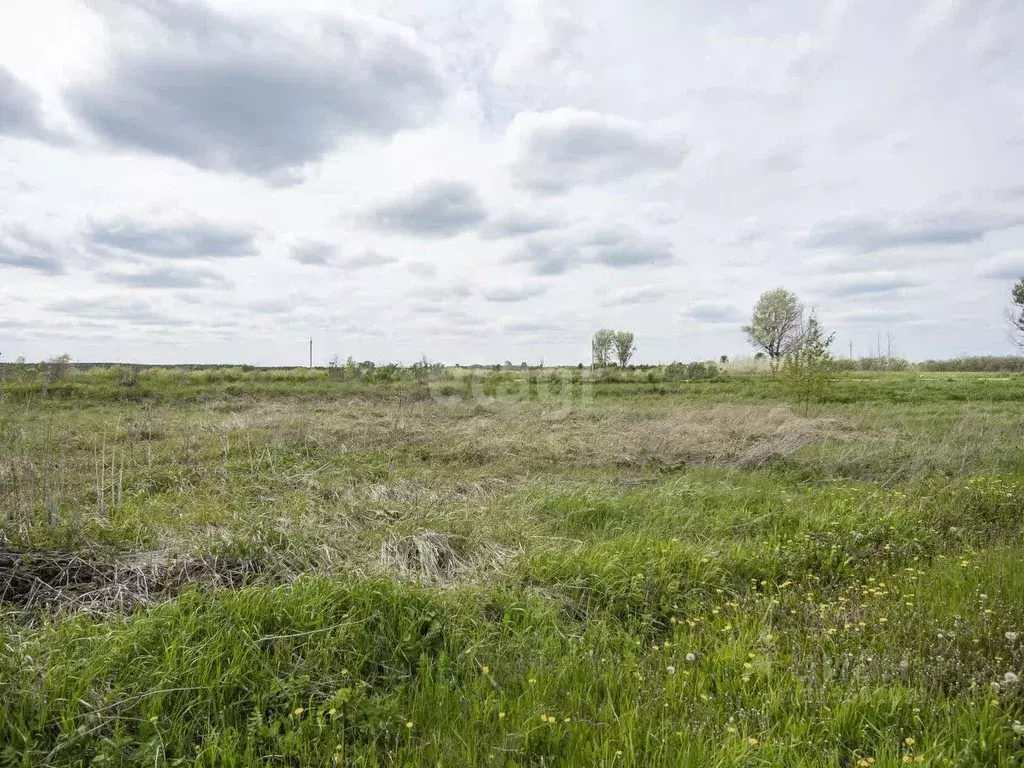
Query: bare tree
(624,347)
(777,324)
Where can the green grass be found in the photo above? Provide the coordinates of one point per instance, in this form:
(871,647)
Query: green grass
(633,573)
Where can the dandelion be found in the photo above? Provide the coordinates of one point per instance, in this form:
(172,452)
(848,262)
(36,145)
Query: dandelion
(670,669)
(332,711)
(408,725)
(691,657)
(501,715)
(486,670)
(618,752)
(1018,728)
(752,741)
(1010,679)
(1011,636)
(731,729)
(544,718)
(569,719)
(909,741)
(532,681)
(298,711)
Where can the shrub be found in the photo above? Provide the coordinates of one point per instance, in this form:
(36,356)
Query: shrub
(56,368)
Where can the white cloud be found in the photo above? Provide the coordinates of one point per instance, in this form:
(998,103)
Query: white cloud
(492,180)
(557,150)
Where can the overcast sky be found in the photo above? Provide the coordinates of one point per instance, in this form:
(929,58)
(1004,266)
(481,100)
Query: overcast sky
(480,181)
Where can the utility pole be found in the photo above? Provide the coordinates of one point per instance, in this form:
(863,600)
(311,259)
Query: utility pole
(888,343)
(851,349)
(310,351)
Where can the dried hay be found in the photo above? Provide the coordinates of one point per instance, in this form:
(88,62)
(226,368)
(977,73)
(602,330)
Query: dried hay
(440,557)
(69,582)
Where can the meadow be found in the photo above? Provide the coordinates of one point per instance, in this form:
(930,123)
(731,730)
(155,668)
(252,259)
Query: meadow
(233,567)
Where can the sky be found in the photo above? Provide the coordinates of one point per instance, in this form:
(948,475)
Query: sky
(220,181)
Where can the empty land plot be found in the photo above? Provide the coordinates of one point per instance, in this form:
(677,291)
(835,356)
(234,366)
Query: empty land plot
(244,568)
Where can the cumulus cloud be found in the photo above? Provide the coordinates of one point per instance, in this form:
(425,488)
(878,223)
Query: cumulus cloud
(259,97)
(513,295)
(623,249)
(868,235)
(167,277)
(314,254)
(23,249)
(20,111)
(115,310)
(714,313)
(436,210)
(1003,266)
(197,240)
(613,247)
(519,224)
(366,259)
(641,294)
(544,258)
(563,148)
(860,285)
(323,254)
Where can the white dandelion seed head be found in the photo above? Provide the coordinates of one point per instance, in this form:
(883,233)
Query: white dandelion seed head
(1011,636)
(691,657)
(1018,728)
(670,669)
(1010,678)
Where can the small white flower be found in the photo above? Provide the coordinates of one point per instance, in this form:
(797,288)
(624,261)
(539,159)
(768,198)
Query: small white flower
(670,669)
(691,657)
(1010,678)
(1018,728)
(1011,636)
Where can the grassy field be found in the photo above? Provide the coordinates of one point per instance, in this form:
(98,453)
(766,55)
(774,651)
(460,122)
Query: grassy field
(248,568)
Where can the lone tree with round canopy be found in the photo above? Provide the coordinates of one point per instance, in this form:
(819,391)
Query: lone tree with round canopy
(1017,313)
(777,325)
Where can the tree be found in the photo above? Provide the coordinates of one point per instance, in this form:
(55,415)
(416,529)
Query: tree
(624,347)
(602,344)
(1017,313)
(777,324)
(807,369)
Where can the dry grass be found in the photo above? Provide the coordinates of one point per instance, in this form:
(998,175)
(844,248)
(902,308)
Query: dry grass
(72,582)
(438,558)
